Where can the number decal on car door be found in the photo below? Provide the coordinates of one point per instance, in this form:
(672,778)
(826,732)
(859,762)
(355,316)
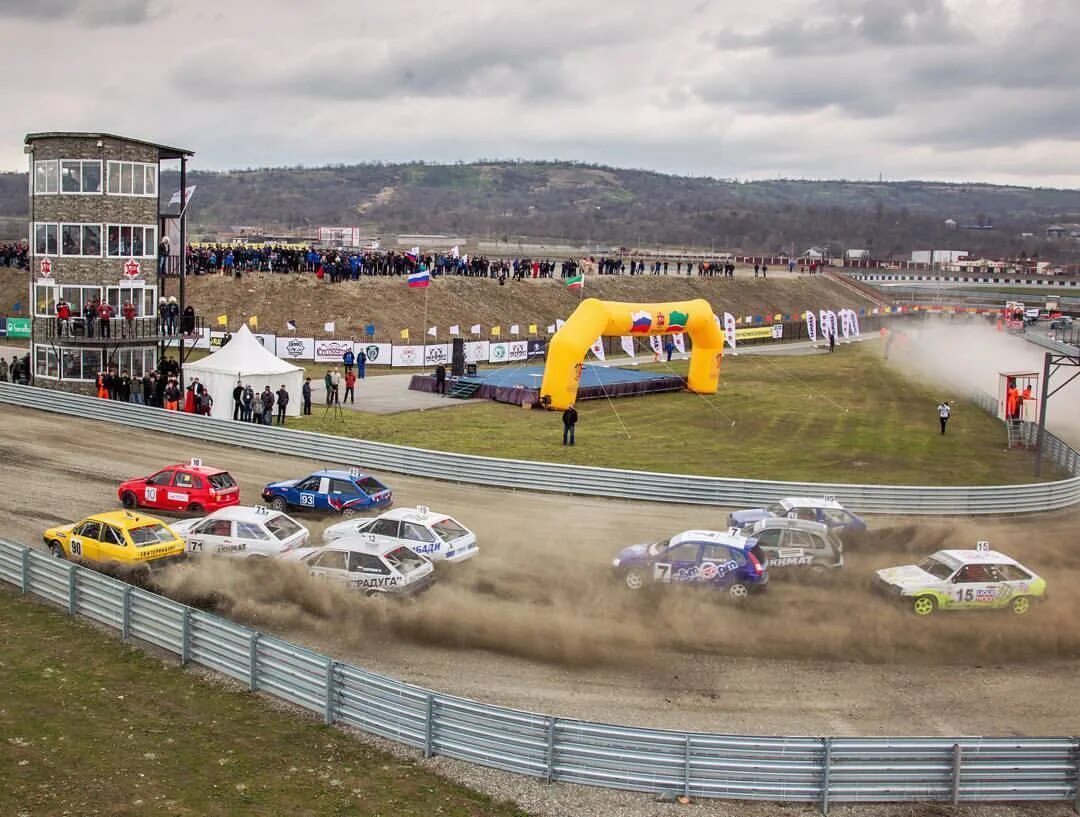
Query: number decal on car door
(662,572)
(76,547)
(307,499)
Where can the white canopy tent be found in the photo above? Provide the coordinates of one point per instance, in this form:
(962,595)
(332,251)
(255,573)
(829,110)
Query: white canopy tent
(245,359)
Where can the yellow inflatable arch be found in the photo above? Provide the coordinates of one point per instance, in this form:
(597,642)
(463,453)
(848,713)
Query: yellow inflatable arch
(595,318)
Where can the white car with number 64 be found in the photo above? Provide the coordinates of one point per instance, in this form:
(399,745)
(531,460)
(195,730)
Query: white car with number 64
(242,531)
(437,536)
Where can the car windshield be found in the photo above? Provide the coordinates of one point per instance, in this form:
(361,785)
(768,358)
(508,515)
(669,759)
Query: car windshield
(935,568)
(658,547)
(282,527)
(370,485)
(776,509)
(150,535)
(405,560)
(222,481)
(449,530)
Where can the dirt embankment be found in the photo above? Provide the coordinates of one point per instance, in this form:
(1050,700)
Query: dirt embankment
(392,306)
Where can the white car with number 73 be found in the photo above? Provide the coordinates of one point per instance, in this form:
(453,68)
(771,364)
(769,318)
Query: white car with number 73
(437,536)
(240,530)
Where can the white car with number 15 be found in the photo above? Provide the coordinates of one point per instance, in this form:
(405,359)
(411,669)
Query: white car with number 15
(437,536)
(242,531)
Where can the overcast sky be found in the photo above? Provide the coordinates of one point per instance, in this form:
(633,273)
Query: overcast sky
(958,90)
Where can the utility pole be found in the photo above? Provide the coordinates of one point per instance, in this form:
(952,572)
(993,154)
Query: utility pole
(1051,363)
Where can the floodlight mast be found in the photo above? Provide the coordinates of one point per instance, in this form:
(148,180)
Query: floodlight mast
(1051,363)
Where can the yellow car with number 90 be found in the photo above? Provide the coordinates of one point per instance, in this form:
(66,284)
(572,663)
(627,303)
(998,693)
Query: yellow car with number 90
(116,536)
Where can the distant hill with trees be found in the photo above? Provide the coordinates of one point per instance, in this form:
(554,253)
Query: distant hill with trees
(604,206)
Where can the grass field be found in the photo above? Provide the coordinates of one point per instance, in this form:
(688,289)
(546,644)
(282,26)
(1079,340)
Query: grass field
(844,417)
(91,726)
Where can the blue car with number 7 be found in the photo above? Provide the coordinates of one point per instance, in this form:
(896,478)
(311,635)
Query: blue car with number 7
(725,561)
(337,491)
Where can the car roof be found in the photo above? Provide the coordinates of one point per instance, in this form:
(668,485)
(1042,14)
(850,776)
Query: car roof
(809,525)
(810,502)
(714,537)
(956,558)
(362,543)
(125,519)
(425,516)
(245,513)
(337,473)
(206,470)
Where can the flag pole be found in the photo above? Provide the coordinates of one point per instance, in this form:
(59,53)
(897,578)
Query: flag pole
(425,323)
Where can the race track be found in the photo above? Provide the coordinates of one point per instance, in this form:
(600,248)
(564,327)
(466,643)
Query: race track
(536,621)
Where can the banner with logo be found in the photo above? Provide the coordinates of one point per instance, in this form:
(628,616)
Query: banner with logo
(436,353)
(407,356)
(517,350)
(18,327)
(476,351)
(537,348)
(199,341)
(498,352)
(267,340)
(776,331)
(296,348)
(328,350)
(376,354)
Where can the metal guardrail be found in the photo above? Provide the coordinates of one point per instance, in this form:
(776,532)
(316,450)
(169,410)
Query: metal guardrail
(798,769)
(567,479)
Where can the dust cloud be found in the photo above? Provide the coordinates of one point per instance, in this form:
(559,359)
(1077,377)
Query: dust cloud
(965,358)
(571,611)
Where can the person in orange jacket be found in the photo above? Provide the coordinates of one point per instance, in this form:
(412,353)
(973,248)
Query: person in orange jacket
(1012,401)
(102,392)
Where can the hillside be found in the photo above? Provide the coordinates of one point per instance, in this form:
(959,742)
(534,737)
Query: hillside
(392,306)
(595,205)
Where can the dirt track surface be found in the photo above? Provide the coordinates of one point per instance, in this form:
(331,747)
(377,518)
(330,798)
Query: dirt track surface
(536,622)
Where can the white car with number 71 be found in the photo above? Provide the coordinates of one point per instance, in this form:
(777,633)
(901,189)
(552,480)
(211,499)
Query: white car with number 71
(437,536)
(240,530)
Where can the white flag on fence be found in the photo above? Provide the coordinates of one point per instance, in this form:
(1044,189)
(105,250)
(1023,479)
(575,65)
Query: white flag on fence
(628,345)
(455,330)
(730,330)
(475,329)
(329,326)
(514,329)
(433,331)
(559,324)
(680,343)
(598,349)
(811,326)
(551,329)
(455,252)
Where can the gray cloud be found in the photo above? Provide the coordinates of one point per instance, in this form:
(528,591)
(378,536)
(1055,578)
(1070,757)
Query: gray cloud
(95,13)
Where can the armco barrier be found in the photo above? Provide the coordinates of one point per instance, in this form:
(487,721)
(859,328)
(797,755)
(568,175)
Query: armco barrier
(568,479)
(798,769)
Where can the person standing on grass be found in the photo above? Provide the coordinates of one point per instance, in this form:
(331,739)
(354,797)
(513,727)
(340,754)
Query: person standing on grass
(832,341)
(282,404)
(350,386)
(943,411)
(569,421)
(306,408)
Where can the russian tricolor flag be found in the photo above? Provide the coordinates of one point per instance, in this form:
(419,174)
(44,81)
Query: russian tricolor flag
(419,279)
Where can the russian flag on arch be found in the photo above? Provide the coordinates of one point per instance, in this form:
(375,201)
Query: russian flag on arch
(641,322)
(419,279)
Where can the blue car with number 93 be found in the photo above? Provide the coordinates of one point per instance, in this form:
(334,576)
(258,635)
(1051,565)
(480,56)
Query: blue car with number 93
(338,491)
(726,561)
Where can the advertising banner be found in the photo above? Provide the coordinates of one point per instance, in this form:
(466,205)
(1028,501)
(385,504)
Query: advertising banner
(376,354)
(775,331)
(296,348)
(476,351)
(266,339)
(407,356)
(328,350)
(436,353)
(498,352)
(18,327)
(199,341)
(517,350)
(537,349)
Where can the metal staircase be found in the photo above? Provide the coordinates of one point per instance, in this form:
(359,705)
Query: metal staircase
(463,389)
(1017,437)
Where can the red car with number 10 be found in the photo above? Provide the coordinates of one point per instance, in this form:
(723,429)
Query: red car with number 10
(193,487)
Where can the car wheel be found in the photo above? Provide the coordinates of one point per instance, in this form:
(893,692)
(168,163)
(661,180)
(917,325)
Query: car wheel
(738,591)
(56,550)
(923,605)
(634,579)
(1021,605)
(195,507)
(278,503)
(129,500)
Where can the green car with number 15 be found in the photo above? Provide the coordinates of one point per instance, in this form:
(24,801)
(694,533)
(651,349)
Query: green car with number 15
(980,579)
